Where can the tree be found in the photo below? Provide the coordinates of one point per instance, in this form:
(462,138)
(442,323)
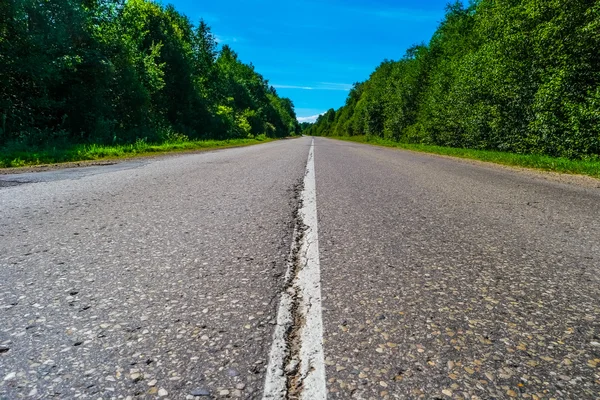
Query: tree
(116,71)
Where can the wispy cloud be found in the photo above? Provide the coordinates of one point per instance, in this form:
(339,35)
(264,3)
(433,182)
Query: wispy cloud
(293,87)
(223,39)
(337,86)
(345,87)
(312,118)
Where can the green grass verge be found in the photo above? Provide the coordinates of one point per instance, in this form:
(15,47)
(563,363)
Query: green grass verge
(590,167)
(19,155)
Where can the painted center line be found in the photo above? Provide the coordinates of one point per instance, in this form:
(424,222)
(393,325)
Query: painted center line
(296,366)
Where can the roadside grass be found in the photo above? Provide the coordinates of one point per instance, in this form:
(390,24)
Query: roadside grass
(590,167)
(20,155)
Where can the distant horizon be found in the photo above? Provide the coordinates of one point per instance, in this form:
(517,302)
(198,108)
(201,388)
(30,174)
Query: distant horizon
(335,44)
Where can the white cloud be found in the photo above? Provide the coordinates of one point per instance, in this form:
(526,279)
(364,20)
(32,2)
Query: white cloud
(336,86)
(293,87)
(227,39)
(344,87)
(312,118)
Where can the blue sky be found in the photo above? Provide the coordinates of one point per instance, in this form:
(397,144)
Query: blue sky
(313,51)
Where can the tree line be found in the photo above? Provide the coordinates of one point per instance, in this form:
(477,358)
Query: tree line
(512,75)
(118,71)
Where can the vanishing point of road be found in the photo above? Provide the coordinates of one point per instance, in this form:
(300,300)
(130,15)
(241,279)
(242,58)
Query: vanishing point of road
(299,269)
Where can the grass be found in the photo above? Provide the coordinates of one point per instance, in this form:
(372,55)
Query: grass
(20,155)
(589,167)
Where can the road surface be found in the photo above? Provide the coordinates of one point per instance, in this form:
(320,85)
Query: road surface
(300,270)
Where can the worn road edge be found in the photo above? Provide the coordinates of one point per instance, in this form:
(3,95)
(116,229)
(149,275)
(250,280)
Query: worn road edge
(296,367)
(574,179)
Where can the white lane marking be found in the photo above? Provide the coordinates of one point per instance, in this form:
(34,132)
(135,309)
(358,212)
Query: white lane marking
(312,365)
(308,282)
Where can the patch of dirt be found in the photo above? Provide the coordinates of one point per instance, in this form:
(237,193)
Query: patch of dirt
(107,161)
(9,184)
(52,167)
(565,178)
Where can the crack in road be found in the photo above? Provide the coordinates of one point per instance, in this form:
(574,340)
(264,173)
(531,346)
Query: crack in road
(296,370)
(293,338)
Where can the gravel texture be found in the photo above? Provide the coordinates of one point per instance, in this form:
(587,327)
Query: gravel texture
(154,279)
(443,279)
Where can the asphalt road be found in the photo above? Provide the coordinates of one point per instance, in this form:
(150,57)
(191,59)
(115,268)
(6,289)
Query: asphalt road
(163,278)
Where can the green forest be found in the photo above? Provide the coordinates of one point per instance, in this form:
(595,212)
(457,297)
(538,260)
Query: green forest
(518,76)
(120,72)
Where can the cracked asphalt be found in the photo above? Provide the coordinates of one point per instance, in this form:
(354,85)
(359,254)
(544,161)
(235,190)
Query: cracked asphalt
(441,279)
(151,279)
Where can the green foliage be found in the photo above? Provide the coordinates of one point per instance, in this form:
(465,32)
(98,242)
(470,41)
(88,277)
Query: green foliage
(20,154)
(520,76)
(112,72)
